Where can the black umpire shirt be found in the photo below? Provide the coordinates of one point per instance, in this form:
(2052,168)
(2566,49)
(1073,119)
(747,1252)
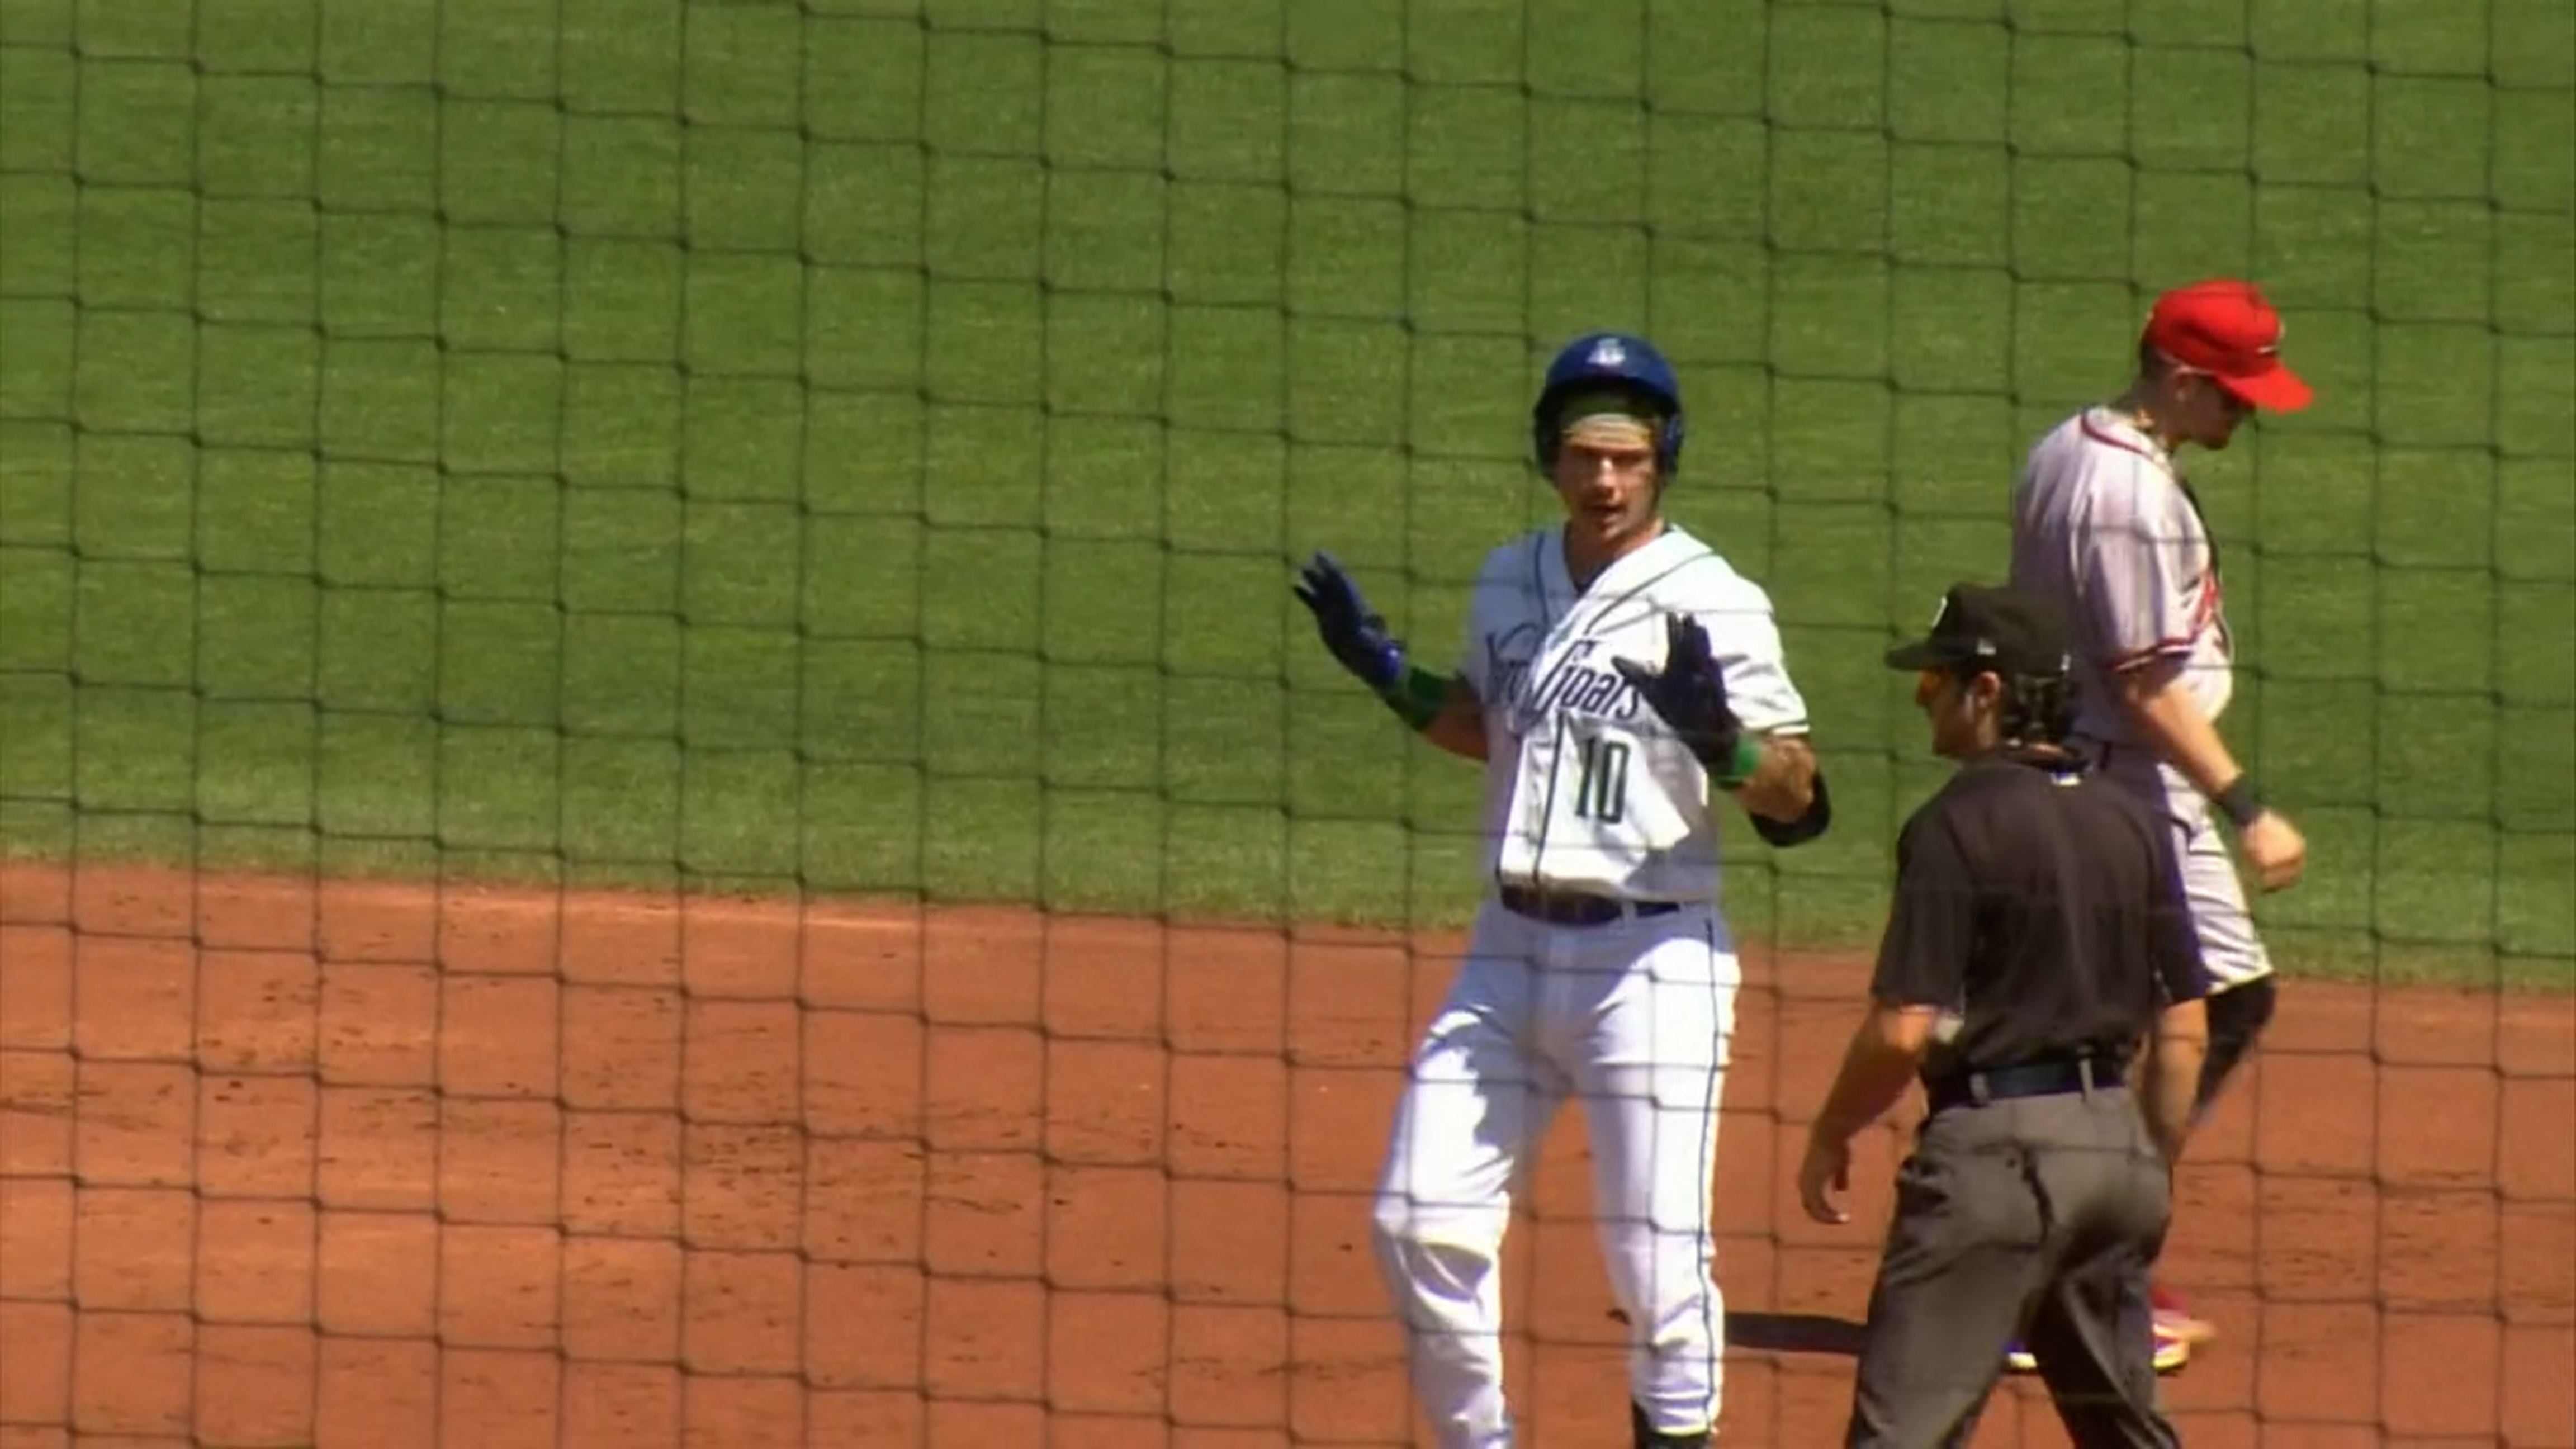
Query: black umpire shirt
(2045,908)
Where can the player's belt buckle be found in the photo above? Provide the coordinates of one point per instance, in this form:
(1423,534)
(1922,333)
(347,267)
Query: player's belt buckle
(1569,909)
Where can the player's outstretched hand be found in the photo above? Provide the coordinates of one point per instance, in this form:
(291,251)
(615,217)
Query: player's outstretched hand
(1689,692)
(1351,630)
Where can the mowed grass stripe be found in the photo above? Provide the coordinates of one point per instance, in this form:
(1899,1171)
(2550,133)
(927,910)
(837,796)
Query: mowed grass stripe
(866,454)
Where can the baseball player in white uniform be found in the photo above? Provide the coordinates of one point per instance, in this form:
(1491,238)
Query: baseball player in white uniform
(2104,523)
(1615,671)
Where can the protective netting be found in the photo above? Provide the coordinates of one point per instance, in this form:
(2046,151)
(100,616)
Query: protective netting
(661,787)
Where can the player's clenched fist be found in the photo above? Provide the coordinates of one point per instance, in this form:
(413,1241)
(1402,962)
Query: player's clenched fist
(2276,849)
(1689,693)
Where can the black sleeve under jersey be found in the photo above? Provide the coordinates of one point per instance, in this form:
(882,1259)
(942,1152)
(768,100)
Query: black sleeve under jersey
(1932,924)
(2173,947)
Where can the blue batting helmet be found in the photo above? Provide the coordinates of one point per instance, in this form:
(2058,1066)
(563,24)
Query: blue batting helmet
(1620,360)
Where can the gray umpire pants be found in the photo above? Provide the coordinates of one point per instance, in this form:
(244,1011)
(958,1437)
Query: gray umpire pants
(2038,1215)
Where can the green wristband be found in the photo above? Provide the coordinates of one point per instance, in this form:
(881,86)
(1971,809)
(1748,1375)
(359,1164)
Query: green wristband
(1746,760)
(1416,697)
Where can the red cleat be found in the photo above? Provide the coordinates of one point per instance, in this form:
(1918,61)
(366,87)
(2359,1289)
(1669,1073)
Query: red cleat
(2175,1322)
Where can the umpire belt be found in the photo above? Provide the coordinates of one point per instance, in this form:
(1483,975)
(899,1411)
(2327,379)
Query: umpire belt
(1566,909)
(2029,1079)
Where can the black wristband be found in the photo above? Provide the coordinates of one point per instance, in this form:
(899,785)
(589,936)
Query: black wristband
(2239,802)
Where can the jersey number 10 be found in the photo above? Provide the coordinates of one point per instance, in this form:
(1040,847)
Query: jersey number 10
(1601,790)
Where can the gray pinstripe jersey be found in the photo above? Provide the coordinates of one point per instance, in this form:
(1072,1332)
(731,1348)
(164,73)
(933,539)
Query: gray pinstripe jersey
(2102,523)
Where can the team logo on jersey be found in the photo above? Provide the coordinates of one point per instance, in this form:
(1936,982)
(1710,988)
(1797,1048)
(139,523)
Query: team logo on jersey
(1577,680)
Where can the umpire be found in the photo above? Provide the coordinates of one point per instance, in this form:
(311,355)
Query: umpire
(2038,937)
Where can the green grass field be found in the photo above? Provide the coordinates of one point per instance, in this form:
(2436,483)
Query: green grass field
(863,447)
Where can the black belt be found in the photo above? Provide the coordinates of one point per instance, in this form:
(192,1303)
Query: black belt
(1579,910)
(2027,1079)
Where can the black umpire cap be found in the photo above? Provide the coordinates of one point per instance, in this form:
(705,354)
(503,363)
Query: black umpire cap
(1991,627)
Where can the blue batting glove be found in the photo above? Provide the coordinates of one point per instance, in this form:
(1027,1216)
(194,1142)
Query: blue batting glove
(1351,630)
(1689,692)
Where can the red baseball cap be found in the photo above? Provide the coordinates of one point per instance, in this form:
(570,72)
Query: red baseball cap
(2229,331)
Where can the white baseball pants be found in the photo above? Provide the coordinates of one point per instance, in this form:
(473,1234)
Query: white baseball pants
(2229,944)
(1631,1019)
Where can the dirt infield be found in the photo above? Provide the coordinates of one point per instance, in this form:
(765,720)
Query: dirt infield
(364,1166)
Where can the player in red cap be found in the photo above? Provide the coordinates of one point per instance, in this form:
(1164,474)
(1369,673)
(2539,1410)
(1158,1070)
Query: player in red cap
(2222,332)
(2105,525)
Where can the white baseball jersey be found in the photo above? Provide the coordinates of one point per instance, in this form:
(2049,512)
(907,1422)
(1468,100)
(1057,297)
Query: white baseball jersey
(1586,788)
(2103,524)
